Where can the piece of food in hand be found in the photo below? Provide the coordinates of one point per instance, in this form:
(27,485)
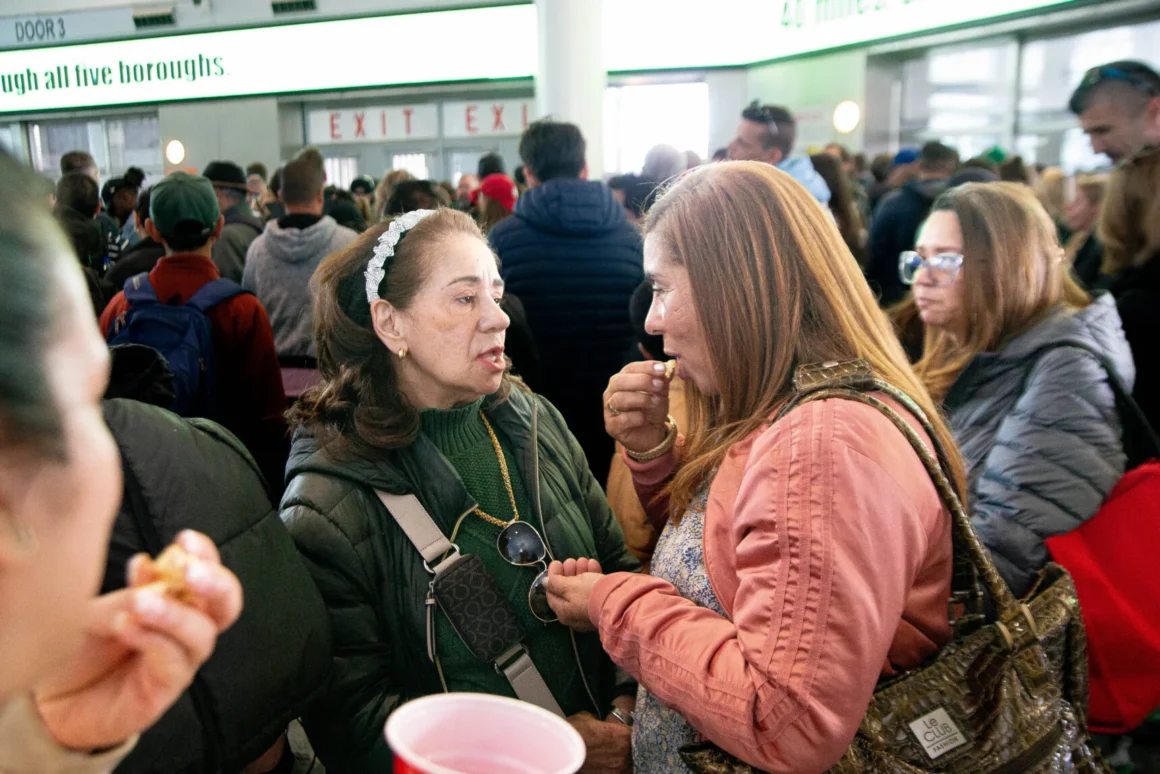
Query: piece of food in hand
(170,566)
(670,369)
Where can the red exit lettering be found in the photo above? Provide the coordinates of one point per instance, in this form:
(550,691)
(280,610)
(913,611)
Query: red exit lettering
(469,119)
(407,120)
(383,121)
(497,112)
(359,128)
(524,111)
(335,134)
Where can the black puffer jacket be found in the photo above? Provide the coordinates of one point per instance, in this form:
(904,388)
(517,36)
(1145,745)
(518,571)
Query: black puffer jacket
(192,474)
(1137,292)
(574,260)
(374,582)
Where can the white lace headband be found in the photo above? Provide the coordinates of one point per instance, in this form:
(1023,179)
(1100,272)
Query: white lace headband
(377,268)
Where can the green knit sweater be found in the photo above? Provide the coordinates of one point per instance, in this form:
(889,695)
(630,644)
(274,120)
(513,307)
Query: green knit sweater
(460,434)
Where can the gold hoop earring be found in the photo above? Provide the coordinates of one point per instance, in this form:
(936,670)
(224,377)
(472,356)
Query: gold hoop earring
(402,352)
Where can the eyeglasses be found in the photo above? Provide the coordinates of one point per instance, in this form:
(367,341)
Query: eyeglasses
(1103,73)
(942,269)
(521,545)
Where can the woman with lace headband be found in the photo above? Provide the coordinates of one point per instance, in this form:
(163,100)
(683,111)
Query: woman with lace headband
(417,400)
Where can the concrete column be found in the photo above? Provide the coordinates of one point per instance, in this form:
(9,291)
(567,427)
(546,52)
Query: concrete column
(570,78)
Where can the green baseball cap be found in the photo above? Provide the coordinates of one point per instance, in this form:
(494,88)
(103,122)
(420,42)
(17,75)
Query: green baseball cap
(184,205)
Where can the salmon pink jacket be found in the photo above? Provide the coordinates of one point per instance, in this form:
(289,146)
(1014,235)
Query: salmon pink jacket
(828,547)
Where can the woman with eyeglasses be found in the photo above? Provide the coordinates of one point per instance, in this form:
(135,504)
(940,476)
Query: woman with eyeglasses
(417,399)
(1034,416)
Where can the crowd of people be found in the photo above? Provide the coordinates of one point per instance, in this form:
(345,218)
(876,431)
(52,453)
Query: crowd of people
(586,388)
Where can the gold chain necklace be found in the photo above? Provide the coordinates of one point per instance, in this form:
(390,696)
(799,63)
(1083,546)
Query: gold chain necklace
(507,481)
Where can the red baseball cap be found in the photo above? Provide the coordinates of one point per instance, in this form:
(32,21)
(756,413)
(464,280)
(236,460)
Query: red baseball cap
(501,188)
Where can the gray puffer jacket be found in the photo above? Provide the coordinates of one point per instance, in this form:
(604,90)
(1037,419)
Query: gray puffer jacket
(279,265)
(1040,434)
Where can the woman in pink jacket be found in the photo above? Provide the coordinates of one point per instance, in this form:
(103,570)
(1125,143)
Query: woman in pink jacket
(800,560)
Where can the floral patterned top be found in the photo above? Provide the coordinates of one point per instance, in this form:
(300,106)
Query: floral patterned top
(660,732)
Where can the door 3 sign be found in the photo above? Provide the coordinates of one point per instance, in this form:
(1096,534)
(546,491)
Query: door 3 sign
(484,118)
(393,123)
(396,123)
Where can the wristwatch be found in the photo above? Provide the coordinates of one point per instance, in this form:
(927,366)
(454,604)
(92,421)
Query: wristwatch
(622,716)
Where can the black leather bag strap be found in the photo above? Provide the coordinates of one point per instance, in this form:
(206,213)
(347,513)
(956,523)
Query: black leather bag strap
(1140,441)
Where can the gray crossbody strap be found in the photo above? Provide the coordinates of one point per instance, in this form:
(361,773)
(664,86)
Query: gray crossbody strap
(516,665)
(418,525)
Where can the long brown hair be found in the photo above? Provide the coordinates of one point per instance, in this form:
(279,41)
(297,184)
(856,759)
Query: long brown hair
(359,399)
(1013,276)
(842,204)
(491,212)
(1130,220)
(775,288)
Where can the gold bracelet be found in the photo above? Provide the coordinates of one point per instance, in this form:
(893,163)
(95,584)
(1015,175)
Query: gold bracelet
(661,449)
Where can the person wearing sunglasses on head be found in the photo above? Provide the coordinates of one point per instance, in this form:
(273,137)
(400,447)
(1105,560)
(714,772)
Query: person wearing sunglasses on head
(1118,105)
(418,425)
(1036,422)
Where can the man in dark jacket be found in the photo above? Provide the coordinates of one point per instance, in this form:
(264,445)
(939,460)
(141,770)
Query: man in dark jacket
(242,226)
(83,162)
(192,474)
(898,217)
(574,260)
(141,256)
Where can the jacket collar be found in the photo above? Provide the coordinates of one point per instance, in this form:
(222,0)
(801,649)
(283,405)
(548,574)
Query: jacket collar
(422,470)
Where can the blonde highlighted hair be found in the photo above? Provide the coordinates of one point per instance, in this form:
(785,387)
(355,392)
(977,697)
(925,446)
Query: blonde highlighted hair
(1130,220)
(1013,275)
(775,287)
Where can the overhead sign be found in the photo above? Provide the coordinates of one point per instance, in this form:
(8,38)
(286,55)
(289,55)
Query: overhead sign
(284,59)
(315,56)
(487,118)
(742,32)
(44,29)
(392,123)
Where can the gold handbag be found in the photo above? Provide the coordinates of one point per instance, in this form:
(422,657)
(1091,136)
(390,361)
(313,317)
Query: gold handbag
(1007,695)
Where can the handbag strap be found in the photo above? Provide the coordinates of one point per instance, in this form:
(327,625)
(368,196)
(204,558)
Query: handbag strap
(1140,440)
(515,664)
(855,380)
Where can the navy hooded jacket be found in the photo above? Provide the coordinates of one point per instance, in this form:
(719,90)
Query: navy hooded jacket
(574,260)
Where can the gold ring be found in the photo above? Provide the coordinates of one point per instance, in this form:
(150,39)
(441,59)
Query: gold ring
(611,410)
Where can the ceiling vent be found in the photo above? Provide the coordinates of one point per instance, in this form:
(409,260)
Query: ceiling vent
(292,6)
(154,16)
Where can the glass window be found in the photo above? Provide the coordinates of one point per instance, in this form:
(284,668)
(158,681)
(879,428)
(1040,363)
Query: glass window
(115,144)
(960,95)
(1051,68)
(638,117)
(341,172)
(415,163)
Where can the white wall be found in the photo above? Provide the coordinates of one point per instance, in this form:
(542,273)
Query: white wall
(811,88)
(728,95)
(240,130)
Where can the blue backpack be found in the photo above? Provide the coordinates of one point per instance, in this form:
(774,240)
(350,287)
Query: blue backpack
(182,334)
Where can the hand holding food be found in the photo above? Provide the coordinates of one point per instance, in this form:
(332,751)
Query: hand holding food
(144,645)
(636,405)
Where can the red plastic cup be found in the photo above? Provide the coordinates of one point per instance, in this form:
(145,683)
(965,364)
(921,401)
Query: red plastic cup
(474,733)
